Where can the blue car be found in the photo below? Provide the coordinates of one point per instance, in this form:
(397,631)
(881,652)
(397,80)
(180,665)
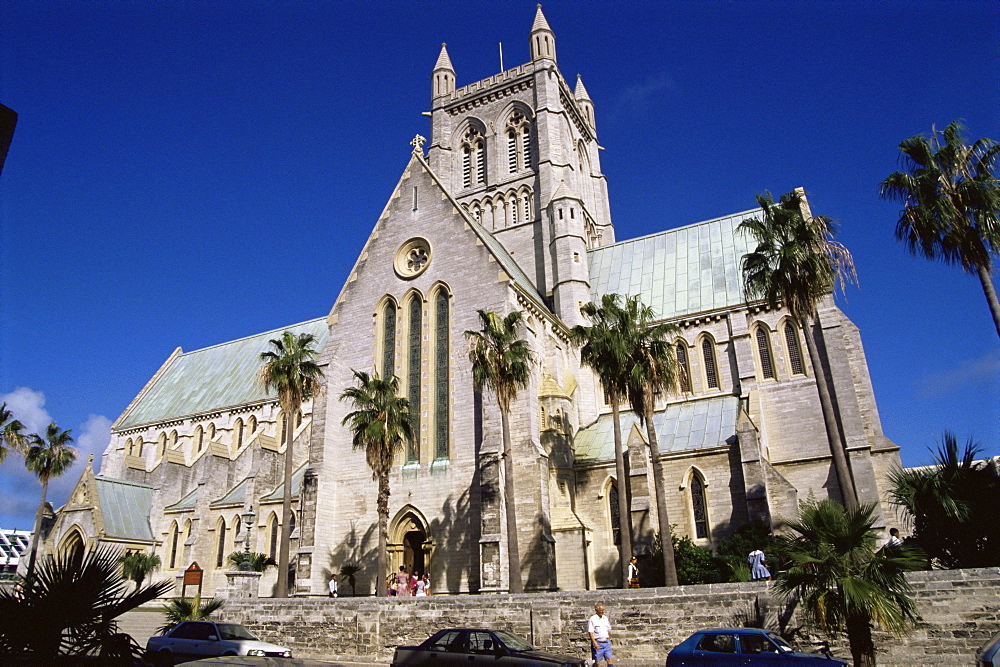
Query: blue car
(742,646)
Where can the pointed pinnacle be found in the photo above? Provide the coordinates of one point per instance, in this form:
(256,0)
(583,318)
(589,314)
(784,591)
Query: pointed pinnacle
(580,92)
(540,22)
(443,61)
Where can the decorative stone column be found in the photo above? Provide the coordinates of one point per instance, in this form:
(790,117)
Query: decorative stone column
(240,585)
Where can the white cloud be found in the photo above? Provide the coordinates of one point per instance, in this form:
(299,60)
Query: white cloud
(22,492)
(969,373)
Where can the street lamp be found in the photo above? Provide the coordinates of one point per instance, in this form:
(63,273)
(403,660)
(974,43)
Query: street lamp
(248,519)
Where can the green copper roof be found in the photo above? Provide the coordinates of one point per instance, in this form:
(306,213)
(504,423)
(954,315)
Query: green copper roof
(279,493)
(235,496)
(186,503)
(678,272)
(691,425)
(125,507)
(212,378)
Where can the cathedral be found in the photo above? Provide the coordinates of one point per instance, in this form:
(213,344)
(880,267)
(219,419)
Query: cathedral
(503,209)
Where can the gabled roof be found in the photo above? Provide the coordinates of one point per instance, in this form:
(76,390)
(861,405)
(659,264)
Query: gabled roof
(235,496)
(678,272)
(691,425)
(212,378)
(125,508)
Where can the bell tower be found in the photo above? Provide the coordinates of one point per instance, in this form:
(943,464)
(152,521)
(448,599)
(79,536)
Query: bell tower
(504,146)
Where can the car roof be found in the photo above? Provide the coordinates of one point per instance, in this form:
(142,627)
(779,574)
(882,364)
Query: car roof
(743,631)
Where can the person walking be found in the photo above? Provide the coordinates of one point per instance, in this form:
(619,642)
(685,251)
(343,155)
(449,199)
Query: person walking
(757,569)
(333,585)
(402,583)
(599,629)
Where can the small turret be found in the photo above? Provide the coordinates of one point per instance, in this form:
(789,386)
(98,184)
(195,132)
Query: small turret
(542,39)
(444,75)
(584,102)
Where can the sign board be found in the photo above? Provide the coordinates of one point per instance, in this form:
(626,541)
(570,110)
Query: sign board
(192,575)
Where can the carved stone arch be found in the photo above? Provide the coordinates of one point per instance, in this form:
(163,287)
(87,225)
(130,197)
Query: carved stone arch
(507,111)
(409,541)
(73,544)
(439,285)
(695,488)
(612,521)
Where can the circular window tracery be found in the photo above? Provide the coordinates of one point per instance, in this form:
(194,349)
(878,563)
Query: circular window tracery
(412,258)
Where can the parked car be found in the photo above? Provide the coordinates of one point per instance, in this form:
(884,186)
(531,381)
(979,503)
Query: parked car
(466,646)
(192,640)
(742,646)
(989,654)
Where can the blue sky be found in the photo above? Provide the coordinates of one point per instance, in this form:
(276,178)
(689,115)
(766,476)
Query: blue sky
(187,173)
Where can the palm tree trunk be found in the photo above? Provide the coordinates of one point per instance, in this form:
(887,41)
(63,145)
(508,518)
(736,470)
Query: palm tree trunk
(667,544)
(383,536)
(38,529)
(986,278)
(516,585)
(624,513)
(833,433)
(286,504)
(859,636)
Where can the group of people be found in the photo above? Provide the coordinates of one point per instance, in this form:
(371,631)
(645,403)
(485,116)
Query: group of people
(403,584)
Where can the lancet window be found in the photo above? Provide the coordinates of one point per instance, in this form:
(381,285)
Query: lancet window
(518,133)
(413,375)
(616,522)
(764,352)
(794,351)
(389,340)
(711,369)
(220,555)
(442,372)
(683,367)
(473,158)
(698,507)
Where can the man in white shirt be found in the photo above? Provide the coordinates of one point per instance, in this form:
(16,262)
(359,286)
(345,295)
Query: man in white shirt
(333,585)
(599,629)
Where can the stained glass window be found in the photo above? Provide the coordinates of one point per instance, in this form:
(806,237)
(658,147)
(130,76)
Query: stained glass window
(441,377)
(698,505)
(711,374)
(794,351)
(616,523)
(764,349)
(389,341)
(413,377)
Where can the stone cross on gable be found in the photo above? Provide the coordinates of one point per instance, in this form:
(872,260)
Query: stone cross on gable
(417,143)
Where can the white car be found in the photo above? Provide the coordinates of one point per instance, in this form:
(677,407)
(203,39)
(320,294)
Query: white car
(192,640)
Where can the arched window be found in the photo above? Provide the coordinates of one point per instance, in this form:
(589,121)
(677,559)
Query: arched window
(711,371)
(473,158)
(174,536)
(238,434)
(161,445)
(698,507)
(526,206)
(173,439)
(389,340)
(413,375)
(442,372)
(794,351)
(616,519)
(220,557)
(683,367)
(764,351)
(128,447)
(237,530)
(518,133)
(514,218)
(199,437)
(210,432)
(251,425)
(272,527)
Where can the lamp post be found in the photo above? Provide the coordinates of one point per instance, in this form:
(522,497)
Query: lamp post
(248,519)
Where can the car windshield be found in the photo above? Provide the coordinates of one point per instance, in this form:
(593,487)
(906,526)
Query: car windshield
(779,641)
(513,642)
(233,631)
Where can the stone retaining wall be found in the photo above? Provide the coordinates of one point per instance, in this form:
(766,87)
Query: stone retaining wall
(960,610)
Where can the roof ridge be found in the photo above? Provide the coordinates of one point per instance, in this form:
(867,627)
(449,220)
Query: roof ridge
(118,480)
(672,230)
(262,333)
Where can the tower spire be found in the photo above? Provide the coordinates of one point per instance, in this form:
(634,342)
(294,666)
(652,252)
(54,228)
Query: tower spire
(542,39)
(584,101)
(443,75)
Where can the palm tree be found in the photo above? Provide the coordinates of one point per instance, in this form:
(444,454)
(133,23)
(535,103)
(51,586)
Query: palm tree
(952,505)
(604,348)
(842,577)
(951,203)
(69,607)
(10,432)
(349,572)
(501,361)
(290,370)
(182,609)
(138,564)
(259,562)
(652,369)
(381,424)
(47,457)
(797,262)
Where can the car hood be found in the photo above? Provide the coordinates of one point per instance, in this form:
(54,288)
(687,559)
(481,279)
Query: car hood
(254,645)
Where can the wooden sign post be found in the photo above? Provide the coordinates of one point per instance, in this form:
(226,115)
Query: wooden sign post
(193,577)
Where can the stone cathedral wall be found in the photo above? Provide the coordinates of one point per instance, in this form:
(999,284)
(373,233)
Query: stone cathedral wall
(960,611)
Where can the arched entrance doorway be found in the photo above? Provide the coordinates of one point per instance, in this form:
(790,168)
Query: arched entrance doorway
(409,544)
(72,547)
